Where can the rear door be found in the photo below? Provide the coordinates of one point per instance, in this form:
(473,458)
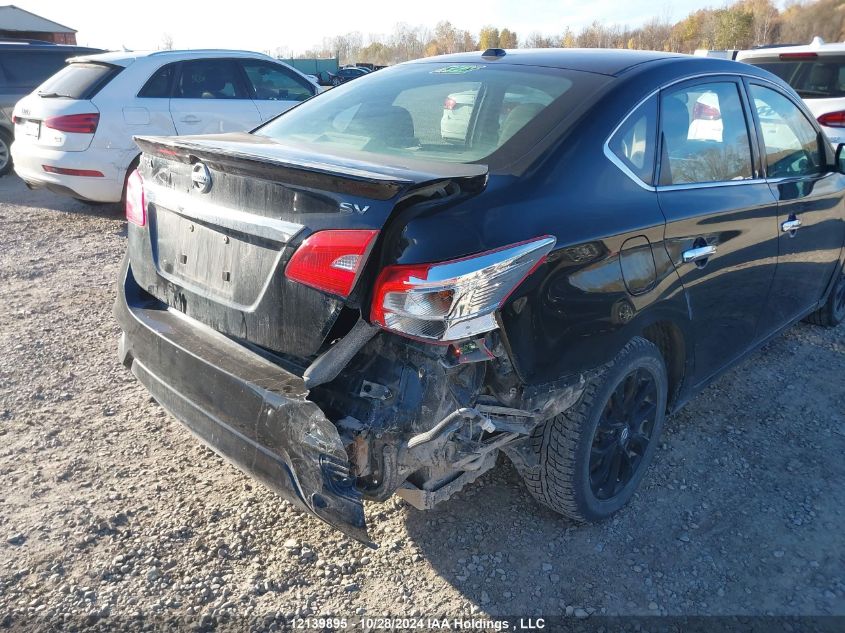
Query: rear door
(810,211)
(149,112)
(273,87)
(721,216)
(210,97)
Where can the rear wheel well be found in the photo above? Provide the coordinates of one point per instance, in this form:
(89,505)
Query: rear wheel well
(133,165)
(667,337)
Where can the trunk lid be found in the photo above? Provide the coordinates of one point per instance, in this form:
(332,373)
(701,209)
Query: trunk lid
(68,93)
(226,212)
(31,128)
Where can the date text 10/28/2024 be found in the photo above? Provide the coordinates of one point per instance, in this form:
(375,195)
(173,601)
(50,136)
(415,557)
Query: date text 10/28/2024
(422,623)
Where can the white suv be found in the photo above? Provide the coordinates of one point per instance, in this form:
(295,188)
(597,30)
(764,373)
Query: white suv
(816,72)
(73,134)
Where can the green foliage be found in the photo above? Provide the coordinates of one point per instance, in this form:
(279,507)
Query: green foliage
(488,38)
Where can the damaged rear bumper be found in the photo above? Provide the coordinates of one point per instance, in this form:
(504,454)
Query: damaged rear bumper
(247,409)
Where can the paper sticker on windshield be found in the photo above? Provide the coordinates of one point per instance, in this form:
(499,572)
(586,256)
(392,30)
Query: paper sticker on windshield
(458,69)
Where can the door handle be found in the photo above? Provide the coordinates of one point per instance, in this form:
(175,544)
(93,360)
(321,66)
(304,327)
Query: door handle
(699,253)
(790,226)
(190,119)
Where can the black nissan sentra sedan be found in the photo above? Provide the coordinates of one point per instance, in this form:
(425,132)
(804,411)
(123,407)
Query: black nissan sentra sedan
(348,306)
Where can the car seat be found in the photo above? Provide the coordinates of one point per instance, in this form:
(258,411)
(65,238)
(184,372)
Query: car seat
(387,125)
(518,118)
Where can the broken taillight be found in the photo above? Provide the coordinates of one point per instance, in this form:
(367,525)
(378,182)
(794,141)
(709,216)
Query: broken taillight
(331,260)
(456,299)
(136,204)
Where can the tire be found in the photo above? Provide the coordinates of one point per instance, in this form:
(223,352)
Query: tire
(5,153)
(832,313)
(565,444)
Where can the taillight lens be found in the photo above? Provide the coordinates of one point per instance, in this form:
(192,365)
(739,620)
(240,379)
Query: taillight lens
(136,201)
(452,300)
(798,55)
(75,123)
(449,103)
(833,119)
(704,112)
(331,260)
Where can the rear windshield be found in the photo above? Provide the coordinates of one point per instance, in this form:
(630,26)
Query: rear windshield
(436,111)
(30,68)
(818,78)
(80,80)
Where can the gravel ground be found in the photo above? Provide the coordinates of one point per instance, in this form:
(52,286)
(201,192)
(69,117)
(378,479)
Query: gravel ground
(109,510)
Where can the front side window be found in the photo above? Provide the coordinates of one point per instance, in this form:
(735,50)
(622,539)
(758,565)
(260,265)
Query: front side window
(437,111)
(792,143)
(271,82)
(209,79)
(634,142)
(704,135)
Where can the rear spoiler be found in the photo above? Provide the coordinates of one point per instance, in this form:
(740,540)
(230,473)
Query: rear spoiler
(261,157)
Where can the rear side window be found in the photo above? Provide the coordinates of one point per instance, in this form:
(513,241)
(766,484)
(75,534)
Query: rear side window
(271,82)
(438,111)
(31,68)
(80,80)
(210,79)
(634,142)
(158,86)
(819,78)
(792,143)
(704,135)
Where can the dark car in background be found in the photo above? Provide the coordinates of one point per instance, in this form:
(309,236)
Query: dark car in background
(347,305)
(25,64)
(348,74)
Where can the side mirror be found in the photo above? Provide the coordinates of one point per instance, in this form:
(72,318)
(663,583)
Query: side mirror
(839,161)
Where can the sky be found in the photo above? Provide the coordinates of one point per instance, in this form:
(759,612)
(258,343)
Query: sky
(302,24)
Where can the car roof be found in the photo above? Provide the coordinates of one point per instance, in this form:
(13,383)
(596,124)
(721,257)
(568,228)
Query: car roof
(604,61)
(124,58)
(818,46)
(35,45)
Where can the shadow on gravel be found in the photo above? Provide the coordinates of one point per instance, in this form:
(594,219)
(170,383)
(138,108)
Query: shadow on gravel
(14,191)
(737,514)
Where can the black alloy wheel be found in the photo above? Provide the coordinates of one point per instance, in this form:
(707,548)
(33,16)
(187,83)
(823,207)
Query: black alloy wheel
(592,457)
(623,434)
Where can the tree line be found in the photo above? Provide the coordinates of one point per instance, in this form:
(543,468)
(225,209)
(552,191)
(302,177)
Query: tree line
(744,24)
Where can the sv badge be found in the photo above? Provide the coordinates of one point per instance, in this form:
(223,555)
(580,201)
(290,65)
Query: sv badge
(348,207)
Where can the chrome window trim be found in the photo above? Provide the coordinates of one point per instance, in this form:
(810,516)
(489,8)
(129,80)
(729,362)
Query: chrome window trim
(710,185)
(609,153)
(613,158)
